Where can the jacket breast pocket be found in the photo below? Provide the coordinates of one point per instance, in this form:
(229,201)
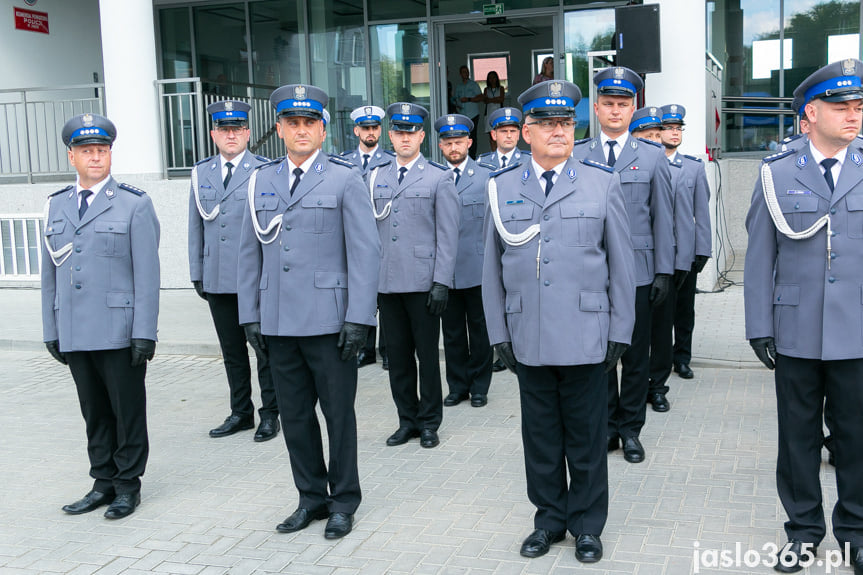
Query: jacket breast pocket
(112,238)
(800,211)
(516,218)
(419,200)
(120,313)
(206,193)
(473,207)
(54,233)
(581,223)
(636,185)
(854,205)
(319,213)
(786,303)
(382,196)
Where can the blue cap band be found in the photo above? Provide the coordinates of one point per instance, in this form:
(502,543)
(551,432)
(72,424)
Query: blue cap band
(504,119)
(616,83)
(299,105)
(368,119)
(667,117)
(454,128)
(234,115)
(838,83)
(407,118)
(642,121)
(92,131)
(548,102)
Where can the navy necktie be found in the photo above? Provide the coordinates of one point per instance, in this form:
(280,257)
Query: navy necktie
(827,164)
(457,175)
(227,180)
(547,176)
(365,161)
(84,205)
(297,173)
(503,161)
(611,158)
(402,172)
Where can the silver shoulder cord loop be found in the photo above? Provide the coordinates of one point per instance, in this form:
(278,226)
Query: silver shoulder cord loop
(274,223)
(509,238)
(57,256)
(386,211)
(207,217)
(778,218)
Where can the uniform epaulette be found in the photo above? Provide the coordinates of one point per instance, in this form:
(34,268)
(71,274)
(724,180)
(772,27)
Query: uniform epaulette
(342,162)
(204,161)
(794,137)
(436,165)
(58,192)
(496,173)
(131,188)
(390,152)
(692,157)
(600,165)
(270,163)
(346,153)
(261,158)
(676,162)
(651,142)
(486,155)
(581,141)
(774,157)
(486,166)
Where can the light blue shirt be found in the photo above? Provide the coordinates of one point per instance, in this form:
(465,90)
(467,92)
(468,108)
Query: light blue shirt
(467,89)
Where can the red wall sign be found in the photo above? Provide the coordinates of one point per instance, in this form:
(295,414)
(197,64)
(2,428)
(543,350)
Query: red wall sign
(31,20)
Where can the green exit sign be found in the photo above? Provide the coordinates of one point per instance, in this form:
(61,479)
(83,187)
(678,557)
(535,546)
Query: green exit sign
(492,9)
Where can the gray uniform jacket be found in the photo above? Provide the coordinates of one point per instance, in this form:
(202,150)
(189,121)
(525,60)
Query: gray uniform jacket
(354,156)
(490,158)
(645,178)
(684,225)
(213,245)
(419,237)
(563,308)
(790,294)
(107,291)
(322,269)
(472,199)
(695,183)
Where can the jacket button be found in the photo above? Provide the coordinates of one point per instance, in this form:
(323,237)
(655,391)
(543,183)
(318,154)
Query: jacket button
(545,217)
(77,232)
(580,212)
(286,268)
(287,249)
(832,256)
(546,282)
(546,239)
(110,228)
(796,206)
(395,238)
(831,279)
(545,260)
(223,238)
(287,227)
(395,210)
(77,250)
(320,202)
(224,224)
(395,224)
(77,268)
(832,210)
(77,286)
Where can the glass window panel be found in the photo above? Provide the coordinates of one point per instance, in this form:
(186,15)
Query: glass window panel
(278,43)
(338,51)
(32,247)
(223,57)
(18,231)
(176,40)
(392,9)
(6,242)
(444,7)
(585,31)
(399,65)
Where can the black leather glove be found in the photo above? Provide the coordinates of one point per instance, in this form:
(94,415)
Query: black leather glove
(255,338)
(700,262)
(613,354)
(199,288)
(505,354)
(142,351)
(765,349)
(679,278)
(352,338)
(438,296)
(54,349)
(660,288)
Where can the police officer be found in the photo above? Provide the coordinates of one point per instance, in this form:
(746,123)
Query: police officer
(558,290)
(416,208)
(646,123)
(100,303)
(308,269)
(504,125)
(646,183)
(465,338)
(217,203)
(368,155)
(802,278)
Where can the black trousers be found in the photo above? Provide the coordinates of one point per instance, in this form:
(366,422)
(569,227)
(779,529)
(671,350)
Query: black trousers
(472,150)
(627,405)
(661,336)
(113,402)
(413,334)
(465,340)
(308,370)
(802,385)
(369,348)
(563,431)
(684,319)
(232,341)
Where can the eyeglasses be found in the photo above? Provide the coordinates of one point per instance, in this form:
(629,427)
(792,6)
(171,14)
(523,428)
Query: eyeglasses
(672,128)
(549,124)
(231,129)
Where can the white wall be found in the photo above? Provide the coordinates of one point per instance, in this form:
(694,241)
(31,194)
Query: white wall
(69,54)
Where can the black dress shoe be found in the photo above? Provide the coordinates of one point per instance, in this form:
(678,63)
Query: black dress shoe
(401,436)
(478,400)
(454,399)
(339,525)
(268,429)
(301,518)
(385,363)
(683,370)
(365,359)
(429,438)
(659,402)
(588,548)
(791,554)
(538,542)
(613,442)
(233,424)
(498,366)
(633,451)
(89,502)
(123,505)
(856,560)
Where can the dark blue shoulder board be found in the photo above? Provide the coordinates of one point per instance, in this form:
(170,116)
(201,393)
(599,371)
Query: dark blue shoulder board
(436,165)
(390,152)
(58,192)
(504,170)
(261,158)
(599,165)
(486,166)
(342,162)
(774,157)
(347,153)
(131,188)
(270,163)
(692,157)
(651,142)
(581,141)
(204,161)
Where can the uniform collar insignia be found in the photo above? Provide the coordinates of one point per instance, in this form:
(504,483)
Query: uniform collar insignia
(282,165)
(571,174)
(633,143)
(525,175)
(319,168)
(801,161)
(246,166)
(470,171)
(517,154)
(856,158)
(378,155)
(593,144)
(109,193)
(421,166)
(213,165)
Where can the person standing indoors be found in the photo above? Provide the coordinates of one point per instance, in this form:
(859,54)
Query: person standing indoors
(547,71)
(217,203)
(646,182)
(558,291)
(307,272)
(417,213)
(493,96)
(468,95)
(100,306)
(465,338)
(802,278)
(368,155)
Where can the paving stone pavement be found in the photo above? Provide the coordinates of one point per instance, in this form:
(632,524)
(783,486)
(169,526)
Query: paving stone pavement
(211,506)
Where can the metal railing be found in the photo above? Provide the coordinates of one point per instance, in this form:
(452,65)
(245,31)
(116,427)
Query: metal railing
(185,124)
(31,120)
(20,246)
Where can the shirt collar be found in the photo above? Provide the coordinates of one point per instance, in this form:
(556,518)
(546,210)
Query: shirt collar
(305,166)
(410,164)
(461,167)
(371,154)
(95,189)
(818,156)
(537,169)
(672,158)
(234,162)
(621,140)
(508,156)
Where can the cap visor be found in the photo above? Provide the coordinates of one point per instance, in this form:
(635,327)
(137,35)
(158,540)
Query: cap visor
(557,112)
(306,113)
(91,140)
(406,127)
